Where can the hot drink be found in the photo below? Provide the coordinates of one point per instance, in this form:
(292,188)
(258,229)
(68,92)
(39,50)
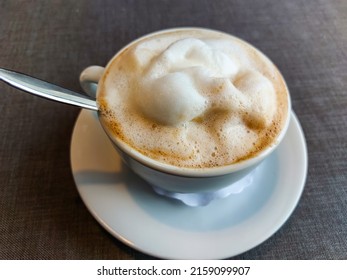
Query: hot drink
(193,98)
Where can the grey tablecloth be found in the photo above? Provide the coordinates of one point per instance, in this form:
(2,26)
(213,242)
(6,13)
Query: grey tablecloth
(41,213)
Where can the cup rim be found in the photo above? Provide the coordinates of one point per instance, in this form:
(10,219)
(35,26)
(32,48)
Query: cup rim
(201,171)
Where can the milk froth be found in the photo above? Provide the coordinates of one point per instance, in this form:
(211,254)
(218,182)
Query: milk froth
(193,98)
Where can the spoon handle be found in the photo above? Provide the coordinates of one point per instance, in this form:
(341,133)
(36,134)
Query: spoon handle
(46,90)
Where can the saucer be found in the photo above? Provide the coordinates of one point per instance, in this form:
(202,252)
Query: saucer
(129,209)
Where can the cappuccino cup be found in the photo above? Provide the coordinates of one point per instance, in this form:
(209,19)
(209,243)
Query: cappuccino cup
(192,111)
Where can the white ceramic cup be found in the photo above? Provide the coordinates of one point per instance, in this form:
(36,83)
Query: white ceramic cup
(194,186)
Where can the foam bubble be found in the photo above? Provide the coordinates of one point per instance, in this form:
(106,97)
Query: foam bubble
(171,99)
(172,89)
(262,98)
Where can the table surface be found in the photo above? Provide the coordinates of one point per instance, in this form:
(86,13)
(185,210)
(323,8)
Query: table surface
(41,213)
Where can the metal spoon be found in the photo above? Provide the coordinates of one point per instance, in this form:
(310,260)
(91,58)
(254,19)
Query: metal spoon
(46,90)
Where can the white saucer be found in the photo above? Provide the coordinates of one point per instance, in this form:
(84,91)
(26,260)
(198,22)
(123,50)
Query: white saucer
(131,211)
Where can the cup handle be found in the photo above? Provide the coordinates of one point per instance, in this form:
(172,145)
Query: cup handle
(89,79)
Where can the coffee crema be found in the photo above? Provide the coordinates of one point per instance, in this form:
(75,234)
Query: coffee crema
(193,98)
